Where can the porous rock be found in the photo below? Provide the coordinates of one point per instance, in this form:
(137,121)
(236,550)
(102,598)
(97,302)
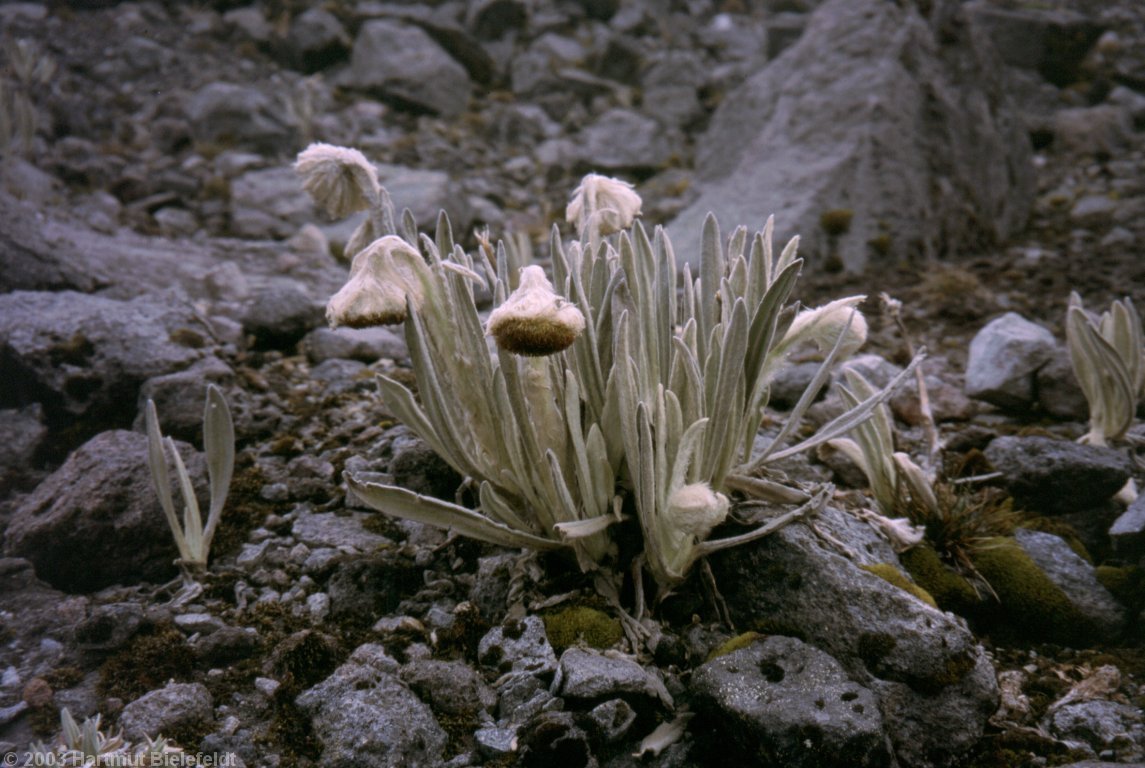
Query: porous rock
(171,708)
(876,109)
(1054,476)
(96,520)
(935,686)
(363,714)
(84,356)
(783,702)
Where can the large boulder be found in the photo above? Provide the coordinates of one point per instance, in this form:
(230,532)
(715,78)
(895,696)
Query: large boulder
(84,357)
(879,111)
(934,683)
(96,521)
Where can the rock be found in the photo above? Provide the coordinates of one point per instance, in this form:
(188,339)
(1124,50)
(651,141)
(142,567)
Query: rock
(934,683)
(362,589)
(518,646)
(450,687)
(1093,211)
(364,715)
(24,433)
(1075,578)
(367,345)
(234,115)
(84,357)
(100,501)
(426,193)
(533,72)
(555,738)
(402,63)
(783,702)
(621,139)
(591,675)
(1128,531)
(1103,726)
(1055,476)
(316,40)
(877,110)
(671,85)
(345,532)
(281,313)
(171,709)
(416,467)
(491,19)
(613,718)
(1053,42)
(490,590)
(1057,389)
(1004,358)
(269,203)
(1097,132)
(179,398)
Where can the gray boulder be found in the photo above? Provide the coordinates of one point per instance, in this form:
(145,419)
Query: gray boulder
(1058,392)
(1103,726)
(518,646)
(364,715)
(403,63)
(622,139)
(1054,476)
(85,357)
(179,398)
(1004,358)
(1075,578)
(158,713)
(1052,42)
(96,521)
(316,40)
(24,432)
(450,687)
(877,110)
(240,116)
(365,344)
(934,683)
(590,675)
(1128,530)
(783,702)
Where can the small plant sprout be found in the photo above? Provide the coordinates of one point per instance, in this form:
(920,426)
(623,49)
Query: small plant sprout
(624,391)
(1109,362)
(191,538)
(87,745)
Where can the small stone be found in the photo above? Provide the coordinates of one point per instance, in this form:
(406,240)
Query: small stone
(1056,476)
(1004,357)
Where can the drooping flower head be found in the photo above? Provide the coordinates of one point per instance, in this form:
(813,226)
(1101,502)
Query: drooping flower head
(613,203)
(535,320)
(824,324)
(382,277)
(339,179)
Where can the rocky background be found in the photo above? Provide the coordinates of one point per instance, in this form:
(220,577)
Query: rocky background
(977,161)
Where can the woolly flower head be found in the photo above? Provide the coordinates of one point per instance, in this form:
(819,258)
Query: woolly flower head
(339,179)
(824,324)
(696,509)
(535,320)
(382,276)
(613,202)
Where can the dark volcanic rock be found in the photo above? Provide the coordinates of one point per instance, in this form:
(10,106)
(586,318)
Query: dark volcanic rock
(96,520)
(877,110)
(934,683)
(783,702)
(1055,476)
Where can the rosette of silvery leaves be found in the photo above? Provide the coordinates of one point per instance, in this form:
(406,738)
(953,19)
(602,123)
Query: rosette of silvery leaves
(650,411)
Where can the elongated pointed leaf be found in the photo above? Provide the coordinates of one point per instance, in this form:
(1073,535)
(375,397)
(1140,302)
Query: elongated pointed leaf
(403,503)
(157,461)
(192,520)
(219,445)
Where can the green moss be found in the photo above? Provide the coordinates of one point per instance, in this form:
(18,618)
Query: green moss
(1031,607)
(881,244)
(950,590)
(1126,583)
(737,642)
(836,221)
(581,623)
(895,577)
